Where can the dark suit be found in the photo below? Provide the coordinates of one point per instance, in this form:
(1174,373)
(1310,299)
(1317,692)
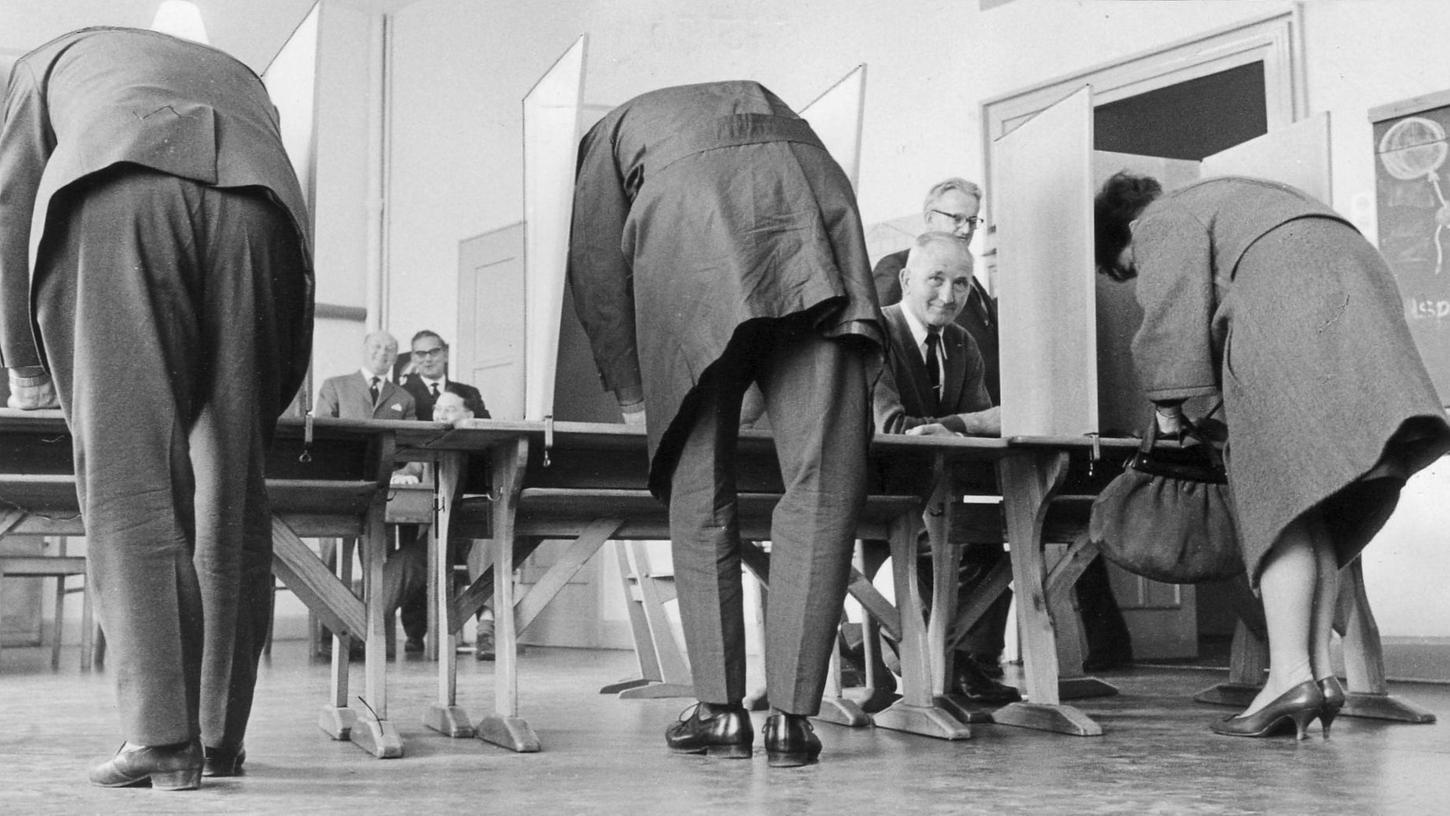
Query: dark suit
(347,396)
(423,396)
(413,557)
(172,299)
(903,400)
(715,243)
(978,317)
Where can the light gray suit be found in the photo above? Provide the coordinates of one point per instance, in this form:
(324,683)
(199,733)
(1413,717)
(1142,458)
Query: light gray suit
(347,396)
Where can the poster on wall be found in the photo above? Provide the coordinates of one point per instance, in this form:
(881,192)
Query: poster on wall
(1412,180)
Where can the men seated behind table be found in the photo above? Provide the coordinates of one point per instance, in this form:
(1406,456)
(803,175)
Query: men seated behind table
(368,393)
(933,383)
(428,380)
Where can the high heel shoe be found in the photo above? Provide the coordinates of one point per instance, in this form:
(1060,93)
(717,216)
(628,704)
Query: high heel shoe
(1299,705)
(1334,697)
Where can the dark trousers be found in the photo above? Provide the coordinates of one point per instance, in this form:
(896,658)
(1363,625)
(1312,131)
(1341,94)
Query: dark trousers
(818,399)
(167,310)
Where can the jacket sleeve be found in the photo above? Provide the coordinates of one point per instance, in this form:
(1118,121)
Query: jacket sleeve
(474,400)
(890,414)
(1173,349)
(327,402)
(26,142)
(600,276)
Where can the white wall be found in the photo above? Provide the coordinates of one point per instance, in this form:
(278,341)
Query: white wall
(461,67)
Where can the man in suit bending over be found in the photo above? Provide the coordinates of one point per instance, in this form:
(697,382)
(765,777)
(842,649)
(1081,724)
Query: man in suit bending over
(716,243)
(934,384)
(368,393)
(167,302)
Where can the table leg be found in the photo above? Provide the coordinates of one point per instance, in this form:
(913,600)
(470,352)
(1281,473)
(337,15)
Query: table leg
(373,731)
(1028,480)
(445,715)
(917,712)
(505,728)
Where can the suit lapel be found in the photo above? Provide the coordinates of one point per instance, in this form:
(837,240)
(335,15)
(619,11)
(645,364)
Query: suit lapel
(956,366)
(911,361)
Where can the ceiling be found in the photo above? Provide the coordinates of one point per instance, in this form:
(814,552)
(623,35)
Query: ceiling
(252,31)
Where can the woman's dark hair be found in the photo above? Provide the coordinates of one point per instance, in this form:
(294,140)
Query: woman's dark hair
(1122,198)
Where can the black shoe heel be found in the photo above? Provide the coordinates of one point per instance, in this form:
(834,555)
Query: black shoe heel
(1334,698)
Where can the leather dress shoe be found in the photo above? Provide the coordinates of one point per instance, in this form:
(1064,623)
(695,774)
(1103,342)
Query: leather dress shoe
(413,645)
(974,684)
(713,730)
(790,741)
(1297,706)
(165,767)
(991,665)
(483,648)
(223,761)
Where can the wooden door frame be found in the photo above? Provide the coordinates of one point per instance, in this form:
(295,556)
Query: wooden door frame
(1275,39)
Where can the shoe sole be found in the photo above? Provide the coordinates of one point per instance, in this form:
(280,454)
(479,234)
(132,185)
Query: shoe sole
(164,780)
(789,760)
(717,751)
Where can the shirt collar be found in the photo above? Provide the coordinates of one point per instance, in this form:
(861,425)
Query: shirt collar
(441,382)
(368,377)
(918,334)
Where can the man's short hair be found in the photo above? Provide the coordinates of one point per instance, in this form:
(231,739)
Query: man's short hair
(428,333)
(941,187)
(937,238)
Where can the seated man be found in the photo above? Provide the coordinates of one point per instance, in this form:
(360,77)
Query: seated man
(406,573)
(933,383)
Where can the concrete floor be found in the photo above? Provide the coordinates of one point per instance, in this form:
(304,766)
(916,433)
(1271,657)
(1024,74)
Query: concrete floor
(604,755)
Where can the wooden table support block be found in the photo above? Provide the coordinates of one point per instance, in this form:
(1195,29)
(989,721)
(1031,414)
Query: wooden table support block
(378,737)
(650,690)
(926,721)
(963,710)
(842,711)
(336,721)
(1082,688)
(625,685)
(512,733)
(449,720)
(1059,719)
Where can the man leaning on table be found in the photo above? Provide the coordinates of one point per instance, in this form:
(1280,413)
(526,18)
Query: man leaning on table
(716,243)
(168,305)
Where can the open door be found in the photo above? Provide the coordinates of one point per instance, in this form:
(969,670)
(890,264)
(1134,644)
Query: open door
(1043,177)
(552,112)
(1297,155)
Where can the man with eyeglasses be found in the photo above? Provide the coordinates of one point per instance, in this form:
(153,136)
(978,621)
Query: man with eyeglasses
(428,381)
(430,377)
(952,206)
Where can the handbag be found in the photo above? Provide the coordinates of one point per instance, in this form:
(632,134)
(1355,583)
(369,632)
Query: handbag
(1169,515)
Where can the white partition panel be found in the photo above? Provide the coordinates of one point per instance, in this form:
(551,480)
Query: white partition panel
(1296,155)
(835,116)
(552,111)
(1043,177)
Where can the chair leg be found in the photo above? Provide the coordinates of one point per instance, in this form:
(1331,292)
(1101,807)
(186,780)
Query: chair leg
(58,623)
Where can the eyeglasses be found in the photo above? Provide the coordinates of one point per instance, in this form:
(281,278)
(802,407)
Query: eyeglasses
(961,220)
(436,351)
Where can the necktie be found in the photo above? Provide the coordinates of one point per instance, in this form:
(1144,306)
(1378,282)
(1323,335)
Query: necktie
(434,386)
(373,389)
(933,364)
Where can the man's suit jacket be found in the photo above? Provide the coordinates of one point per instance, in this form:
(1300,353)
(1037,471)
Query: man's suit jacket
(678,241)
(978,317)
(903,398)
(100,97)
(423,396)
(347,397)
